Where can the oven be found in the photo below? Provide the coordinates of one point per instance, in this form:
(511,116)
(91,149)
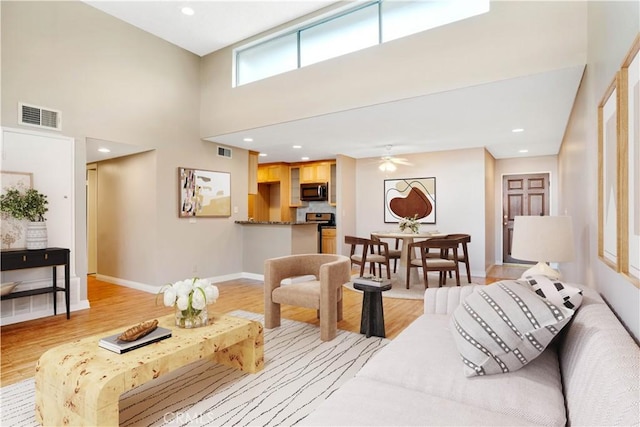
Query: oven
(324,220)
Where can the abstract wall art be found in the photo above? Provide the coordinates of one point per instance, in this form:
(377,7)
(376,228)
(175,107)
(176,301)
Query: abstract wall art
(410,197)
(204,193)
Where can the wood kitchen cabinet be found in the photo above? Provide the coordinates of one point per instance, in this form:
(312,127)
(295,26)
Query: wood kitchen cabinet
(329,241)
(272,172)
(315,172)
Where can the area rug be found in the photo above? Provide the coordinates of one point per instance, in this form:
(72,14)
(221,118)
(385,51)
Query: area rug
(300,372)
(415,291)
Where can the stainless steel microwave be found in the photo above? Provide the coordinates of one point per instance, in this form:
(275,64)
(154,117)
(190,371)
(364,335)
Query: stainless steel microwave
(316,191)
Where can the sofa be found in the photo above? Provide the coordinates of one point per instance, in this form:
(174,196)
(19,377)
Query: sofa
(588,375)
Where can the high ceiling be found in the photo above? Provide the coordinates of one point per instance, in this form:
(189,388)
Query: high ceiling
(478,116)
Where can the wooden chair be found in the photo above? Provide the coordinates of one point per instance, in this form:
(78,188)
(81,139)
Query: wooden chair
(394,253)
(463,257)
(322,292)
(365,251)
(430,263)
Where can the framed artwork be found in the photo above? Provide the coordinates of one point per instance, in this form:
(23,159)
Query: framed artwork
(204,193)
(629,228)
(12,230)
(408,197)
(608,176)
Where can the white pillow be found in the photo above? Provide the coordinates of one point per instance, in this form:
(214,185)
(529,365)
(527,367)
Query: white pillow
(554,291)
(503,326)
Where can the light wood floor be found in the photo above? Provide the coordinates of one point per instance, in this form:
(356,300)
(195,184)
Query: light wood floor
(114,306)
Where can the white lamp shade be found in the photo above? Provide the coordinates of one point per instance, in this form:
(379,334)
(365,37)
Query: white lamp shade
(542,238)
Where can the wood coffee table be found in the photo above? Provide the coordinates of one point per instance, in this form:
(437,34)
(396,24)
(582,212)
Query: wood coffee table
(80,383)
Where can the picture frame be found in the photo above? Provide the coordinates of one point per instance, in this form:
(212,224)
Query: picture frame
(12,231)
(204,193)
(608,126)
(407,197)
(629,142)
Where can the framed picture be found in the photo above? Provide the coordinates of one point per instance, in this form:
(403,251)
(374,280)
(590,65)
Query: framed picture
(12,230)
(204,193)
(629,227)
(608,176)
(410,197)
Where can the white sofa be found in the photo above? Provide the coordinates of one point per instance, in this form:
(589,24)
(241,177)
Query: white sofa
(590,376)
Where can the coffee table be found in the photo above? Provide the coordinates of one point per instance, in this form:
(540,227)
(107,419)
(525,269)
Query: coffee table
(372,318)
(80,383)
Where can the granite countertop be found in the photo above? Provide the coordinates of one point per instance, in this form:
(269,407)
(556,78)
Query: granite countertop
(276,222)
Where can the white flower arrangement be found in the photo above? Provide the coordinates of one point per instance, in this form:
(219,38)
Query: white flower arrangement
(189,296)
(409,223)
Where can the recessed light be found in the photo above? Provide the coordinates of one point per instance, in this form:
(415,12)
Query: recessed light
(187,11)
(305,158)
(297,146)
(517,130)
(523,151)
(104,150)
(262,154)
(248,139)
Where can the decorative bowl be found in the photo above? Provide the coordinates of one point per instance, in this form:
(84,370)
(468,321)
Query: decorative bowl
(6,288)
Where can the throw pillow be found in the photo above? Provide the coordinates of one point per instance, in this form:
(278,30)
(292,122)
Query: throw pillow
(503,326)
(556,292)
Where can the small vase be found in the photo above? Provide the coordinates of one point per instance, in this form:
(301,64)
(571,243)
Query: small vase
(191,318)
(36,236)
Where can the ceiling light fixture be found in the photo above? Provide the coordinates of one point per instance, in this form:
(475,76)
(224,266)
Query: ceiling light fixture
(248,139)
(262,154)
(187,11)
(387,166)
(104,150)
(523,151)
(305,158)
(517,130)
(297,146)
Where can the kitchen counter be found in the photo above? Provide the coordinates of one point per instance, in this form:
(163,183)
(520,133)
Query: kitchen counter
(262,240)
(276,223)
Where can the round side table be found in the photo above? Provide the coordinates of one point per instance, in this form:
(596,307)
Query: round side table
(372,319)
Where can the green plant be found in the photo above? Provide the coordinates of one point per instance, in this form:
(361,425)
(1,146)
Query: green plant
(31,204)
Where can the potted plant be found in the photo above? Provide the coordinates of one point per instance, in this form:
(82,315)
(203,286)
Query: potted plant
(30,205)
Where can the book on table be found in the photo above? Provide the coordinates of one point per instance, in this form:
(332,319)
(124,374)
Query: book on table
(112,343)
(371,281)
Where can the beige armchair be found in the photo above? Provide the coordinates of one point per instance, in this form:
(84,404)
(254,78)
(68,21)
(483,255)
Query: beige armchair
(324,292)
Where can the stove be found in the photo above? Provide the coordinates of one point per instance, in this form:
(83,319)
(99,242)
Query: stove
(324,220)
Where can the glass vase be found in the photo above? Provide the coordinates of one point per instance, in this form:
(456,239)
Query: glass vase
(191,318)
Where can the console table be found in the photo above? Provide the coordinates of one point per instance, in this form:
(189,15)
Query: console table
(18,259)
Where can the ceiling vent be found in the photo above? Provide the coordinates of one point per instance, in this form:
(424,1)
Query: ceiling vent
(224,152)
(41,117)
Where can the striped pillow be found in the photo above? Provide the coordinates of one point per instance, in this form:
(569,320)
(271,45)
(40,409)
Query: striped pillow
(503,326)
(556,292)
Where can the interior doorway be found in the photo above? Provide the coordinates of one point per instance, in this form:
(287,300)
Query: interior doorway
(522,195)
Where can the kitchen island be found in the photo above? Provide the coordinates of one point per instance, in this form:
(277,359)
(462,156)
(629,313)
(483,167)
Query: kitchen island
(262,240)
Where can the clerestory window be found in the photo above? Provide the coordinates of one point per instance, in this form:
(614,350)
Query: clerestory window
(346,31)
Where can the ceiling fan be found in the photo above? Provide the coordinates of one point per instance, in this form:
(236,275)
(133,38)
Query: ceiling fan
(388,163)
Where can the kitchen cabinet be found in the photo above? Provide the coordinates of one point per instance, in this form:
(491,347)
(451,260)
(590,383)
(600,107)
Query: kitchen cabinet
(294,185)
(332,185)
(253,172)
(272,173)
(328,241)
(315,172)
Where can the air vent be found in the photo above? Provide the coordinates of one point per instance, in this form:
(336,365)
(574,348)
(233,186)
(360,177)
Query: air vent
(224,152)
(41,117)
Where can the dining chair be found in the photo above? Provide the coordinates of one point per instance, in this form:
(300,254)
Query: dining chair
(428,262)
(394,253)
(370,251)
(463,257)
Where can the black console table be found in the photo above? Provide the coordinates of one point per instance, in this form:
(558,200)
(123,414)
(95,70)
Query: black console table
(19,259)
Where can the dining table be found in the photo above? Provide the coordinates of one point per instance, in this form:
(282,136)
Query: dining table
(405,255)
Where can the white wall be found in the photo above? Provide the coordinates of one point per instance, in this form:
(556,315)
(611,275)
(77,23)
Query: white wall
(612,27)
(460,196)
(516,38)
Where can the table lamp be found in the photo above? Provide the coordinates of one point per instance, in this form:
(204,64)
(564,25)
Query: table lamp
(542,239)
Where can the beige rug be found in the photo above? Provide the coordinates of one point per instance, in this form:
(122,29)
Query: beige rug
(416,291)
